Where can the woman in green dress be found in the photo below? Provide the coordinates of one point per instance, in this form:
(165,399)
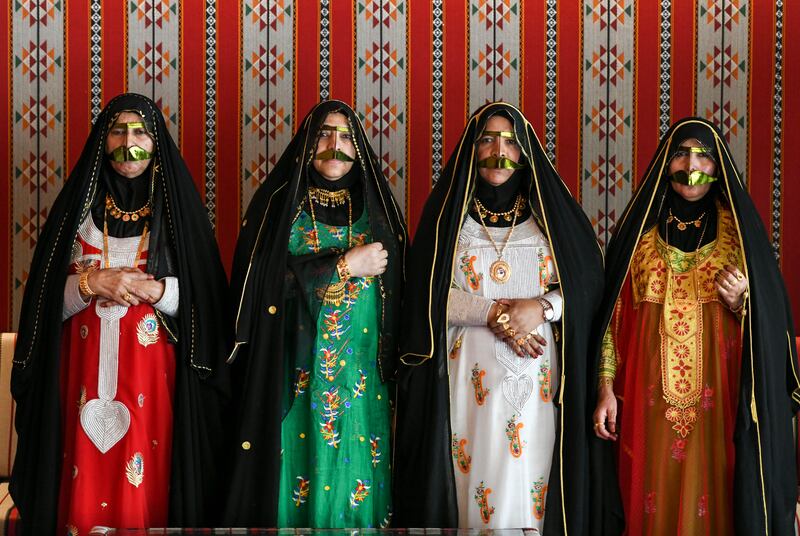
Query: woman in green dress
(317,273)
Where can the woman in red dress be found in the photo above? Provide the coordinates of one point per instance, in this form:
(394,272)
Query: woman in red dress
(137,387)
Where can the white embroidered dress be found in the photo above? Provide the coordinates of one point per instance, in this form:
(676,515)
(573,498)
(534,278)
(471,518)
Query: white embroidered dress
(501,412)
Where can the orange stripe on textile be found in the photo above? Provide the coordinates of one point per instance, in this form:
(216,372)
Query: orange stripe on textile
(76,77)
(682,79)
(343,53)
(229,117)
(569,124)
(193,67)
(532,34)
(762,64)
(420,108)
(456,69)
(306,58)
(646,87)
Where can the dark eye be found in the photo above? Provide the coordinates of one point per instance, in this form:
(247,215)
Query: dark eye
(512,141)
(680,154)
(486,139)
(347,136)
(117,131)
(140,132)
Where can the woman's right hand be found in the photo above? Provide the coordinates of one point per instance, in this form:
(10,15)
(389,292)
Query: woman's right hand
(117,284)
(605,415)
(367,260)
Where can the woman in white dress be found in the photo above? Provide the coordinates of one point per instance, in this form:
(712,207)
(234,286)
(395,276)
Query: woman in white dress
(485,357)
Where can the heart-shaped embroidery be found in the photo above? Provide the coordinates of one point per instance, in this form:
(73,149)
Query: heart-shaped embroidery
(517,391)
(105,422)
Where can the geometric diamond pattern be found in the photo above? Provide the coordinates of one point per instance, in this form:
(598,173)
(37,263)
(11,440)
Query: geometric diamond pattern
(494,64)
(37,173)
(37,61)
(153,62)
(381,62)
(38,117)
(158,11)
(492,12)
(381,11)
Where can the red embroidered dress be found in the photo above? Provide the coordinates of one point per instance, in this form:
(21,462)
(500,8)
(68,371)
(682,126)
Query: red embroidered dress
(117,382)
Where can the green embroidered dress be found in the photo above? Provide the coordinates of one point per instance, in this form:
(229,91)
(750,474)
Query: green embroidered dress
(335,440)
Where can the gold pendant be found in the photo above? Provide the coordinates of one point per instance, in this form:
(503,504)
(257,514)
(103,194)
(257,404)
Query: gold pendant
(500,271)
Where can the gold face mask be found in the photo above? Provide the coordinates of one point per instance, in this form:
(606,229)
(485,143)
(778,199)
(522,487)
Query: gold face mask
(129,154)
(499,162)
(695,178)
(334,154)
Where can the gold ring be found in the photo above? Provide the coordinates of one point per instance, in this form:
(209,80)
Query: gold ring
(521,341)
(503,320)
(511,332)
(505,326)
(126,296)
(739,276)
(598,424)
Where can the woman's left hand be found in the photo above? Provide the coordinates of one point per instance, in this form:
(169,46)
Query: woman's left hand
(731,284)
(525,315)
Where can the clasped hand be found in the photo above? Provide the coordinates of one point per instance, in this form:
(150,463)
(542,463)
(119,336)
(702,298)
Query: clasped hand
(125,286)
(367,260)
(524,316)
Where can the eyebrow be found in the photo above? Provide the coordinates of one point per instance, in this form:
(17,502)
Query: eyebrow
(501,133)
(335,128)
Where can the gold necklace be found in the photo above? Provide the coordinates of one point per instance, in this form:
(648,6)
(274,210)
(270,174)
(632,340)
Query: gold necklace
(327,198)
(500,270)
(125,215)
(494,217)
(682,225)
(139,249)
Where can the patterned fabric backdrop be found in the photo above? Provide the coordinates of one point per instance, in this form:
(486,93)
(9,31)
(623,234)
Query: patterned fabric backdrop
(599,79)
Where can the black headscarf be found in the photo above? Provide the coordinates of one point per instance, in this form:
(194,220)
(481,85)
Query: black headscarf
(276,303)
(765,489)
(181,244)
(423,471)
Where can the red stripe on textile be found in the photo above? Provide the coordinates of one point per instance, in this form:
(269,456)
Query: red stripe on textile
(420,110)
(683,59)
(6,191)
(569,124)
(532,35)
(192,91)
(762,65)
(646,86)
(306,58)
(790,237)
(455,76)
(77,119)
(343,47)
(114,31)
(229,65)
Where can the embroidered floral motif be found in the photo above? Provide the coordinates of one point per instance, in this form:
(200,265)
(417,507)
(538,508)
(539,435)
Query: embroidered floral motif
(512,433)
(546,269)
(332,321)
(374,449)
(330,413)
(707,403)
(134,469)
(477,383)
(460,454)
(84,331)
(360,493)
(82,398)
(650,503)
(300,492)
(361,384)
(147,330)
(303,377)
(72,530)
(456,351)
(482,498)
(329,363)
(140,400)
(468,267)
(684,419)
(702,506)
(74,472)
(544,381)
(678,449)
(538,492)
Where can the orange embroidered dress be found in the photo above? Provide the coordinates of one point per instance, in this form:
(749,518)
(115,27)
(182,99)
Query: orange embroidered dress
(677,349)
(117,381)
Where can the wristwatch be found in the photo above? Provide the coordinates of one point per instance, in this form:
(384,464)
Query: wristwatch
(547,309)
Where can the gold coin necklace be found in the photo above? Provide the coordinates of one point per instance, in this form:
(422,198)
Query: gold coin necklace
(500,270)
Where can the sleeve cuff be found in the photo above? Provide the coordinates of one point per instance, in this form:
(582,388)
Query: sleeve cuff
(168,304)
(73,302)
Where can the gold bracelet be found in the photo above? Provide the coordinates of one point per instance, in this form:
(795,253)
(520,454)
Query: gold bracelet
(343,269)
(83,285)
(741,311)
